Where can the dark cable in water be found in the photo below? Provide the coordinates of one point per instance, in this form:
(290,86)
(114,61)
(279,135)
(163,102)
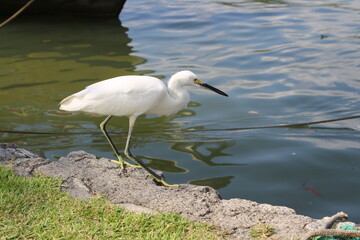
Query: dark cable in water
(274,126)
(194,129)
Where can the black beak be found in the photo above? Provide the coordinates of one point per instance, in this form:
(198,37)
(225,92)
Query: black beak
(204,85)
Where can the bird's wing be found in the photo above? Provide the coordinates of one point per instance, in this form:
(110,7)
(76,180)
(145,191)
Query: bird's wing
(128,95)
(126,85)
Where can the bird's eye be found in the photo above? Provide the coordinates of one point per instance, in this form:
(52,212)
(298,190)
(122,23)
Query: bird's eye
(196,80)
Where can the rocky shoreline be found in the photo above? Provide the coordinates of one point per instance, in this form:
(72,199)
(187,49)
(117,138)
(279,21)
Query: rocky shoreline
(84,176)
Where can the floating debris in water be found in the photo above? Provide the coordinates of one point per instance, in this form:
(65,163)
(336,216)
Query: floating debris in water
(322,36)
(310,131)
(311,190)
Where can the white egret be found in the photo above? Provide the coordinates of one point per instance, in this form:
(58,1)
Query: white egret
(132,96)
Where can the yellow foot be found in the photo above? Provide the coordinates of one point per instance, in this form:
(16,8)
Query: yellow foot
(162,182)
(122,162)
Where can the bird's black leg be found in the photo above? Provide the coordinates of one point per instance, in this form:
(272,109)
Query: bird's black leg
(120,161)
(129,155)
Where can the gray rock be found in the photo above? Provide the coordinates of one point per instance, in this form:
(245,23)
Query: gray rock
(137,209)
(23,161)
(9,151)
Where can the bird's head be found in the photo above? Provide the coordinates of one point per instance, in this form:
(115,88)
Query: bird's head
(188,78)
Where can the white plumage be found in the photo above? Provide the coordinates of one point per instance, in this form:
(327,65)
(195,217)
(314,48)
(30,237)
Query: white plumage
(120,96)
(132,96)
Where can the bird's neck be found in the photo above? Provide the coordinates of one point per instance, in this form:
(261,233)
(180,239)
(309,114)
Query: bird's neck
(176,99)
(176,91)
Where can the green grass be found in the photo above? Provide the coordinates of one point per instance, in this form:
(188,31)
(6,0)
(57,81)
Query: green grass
(34,208)
(262,231)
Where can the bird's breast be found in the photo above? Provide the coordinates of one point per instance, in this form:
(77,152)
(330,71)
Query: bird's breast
(171,104)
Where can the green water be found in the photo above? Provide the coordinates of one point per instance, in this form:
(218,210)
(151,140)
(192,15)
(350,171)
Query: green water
(281,62)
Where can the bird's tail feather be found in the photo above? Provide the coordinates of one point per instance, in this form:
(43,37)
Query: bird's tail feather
(70,103)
